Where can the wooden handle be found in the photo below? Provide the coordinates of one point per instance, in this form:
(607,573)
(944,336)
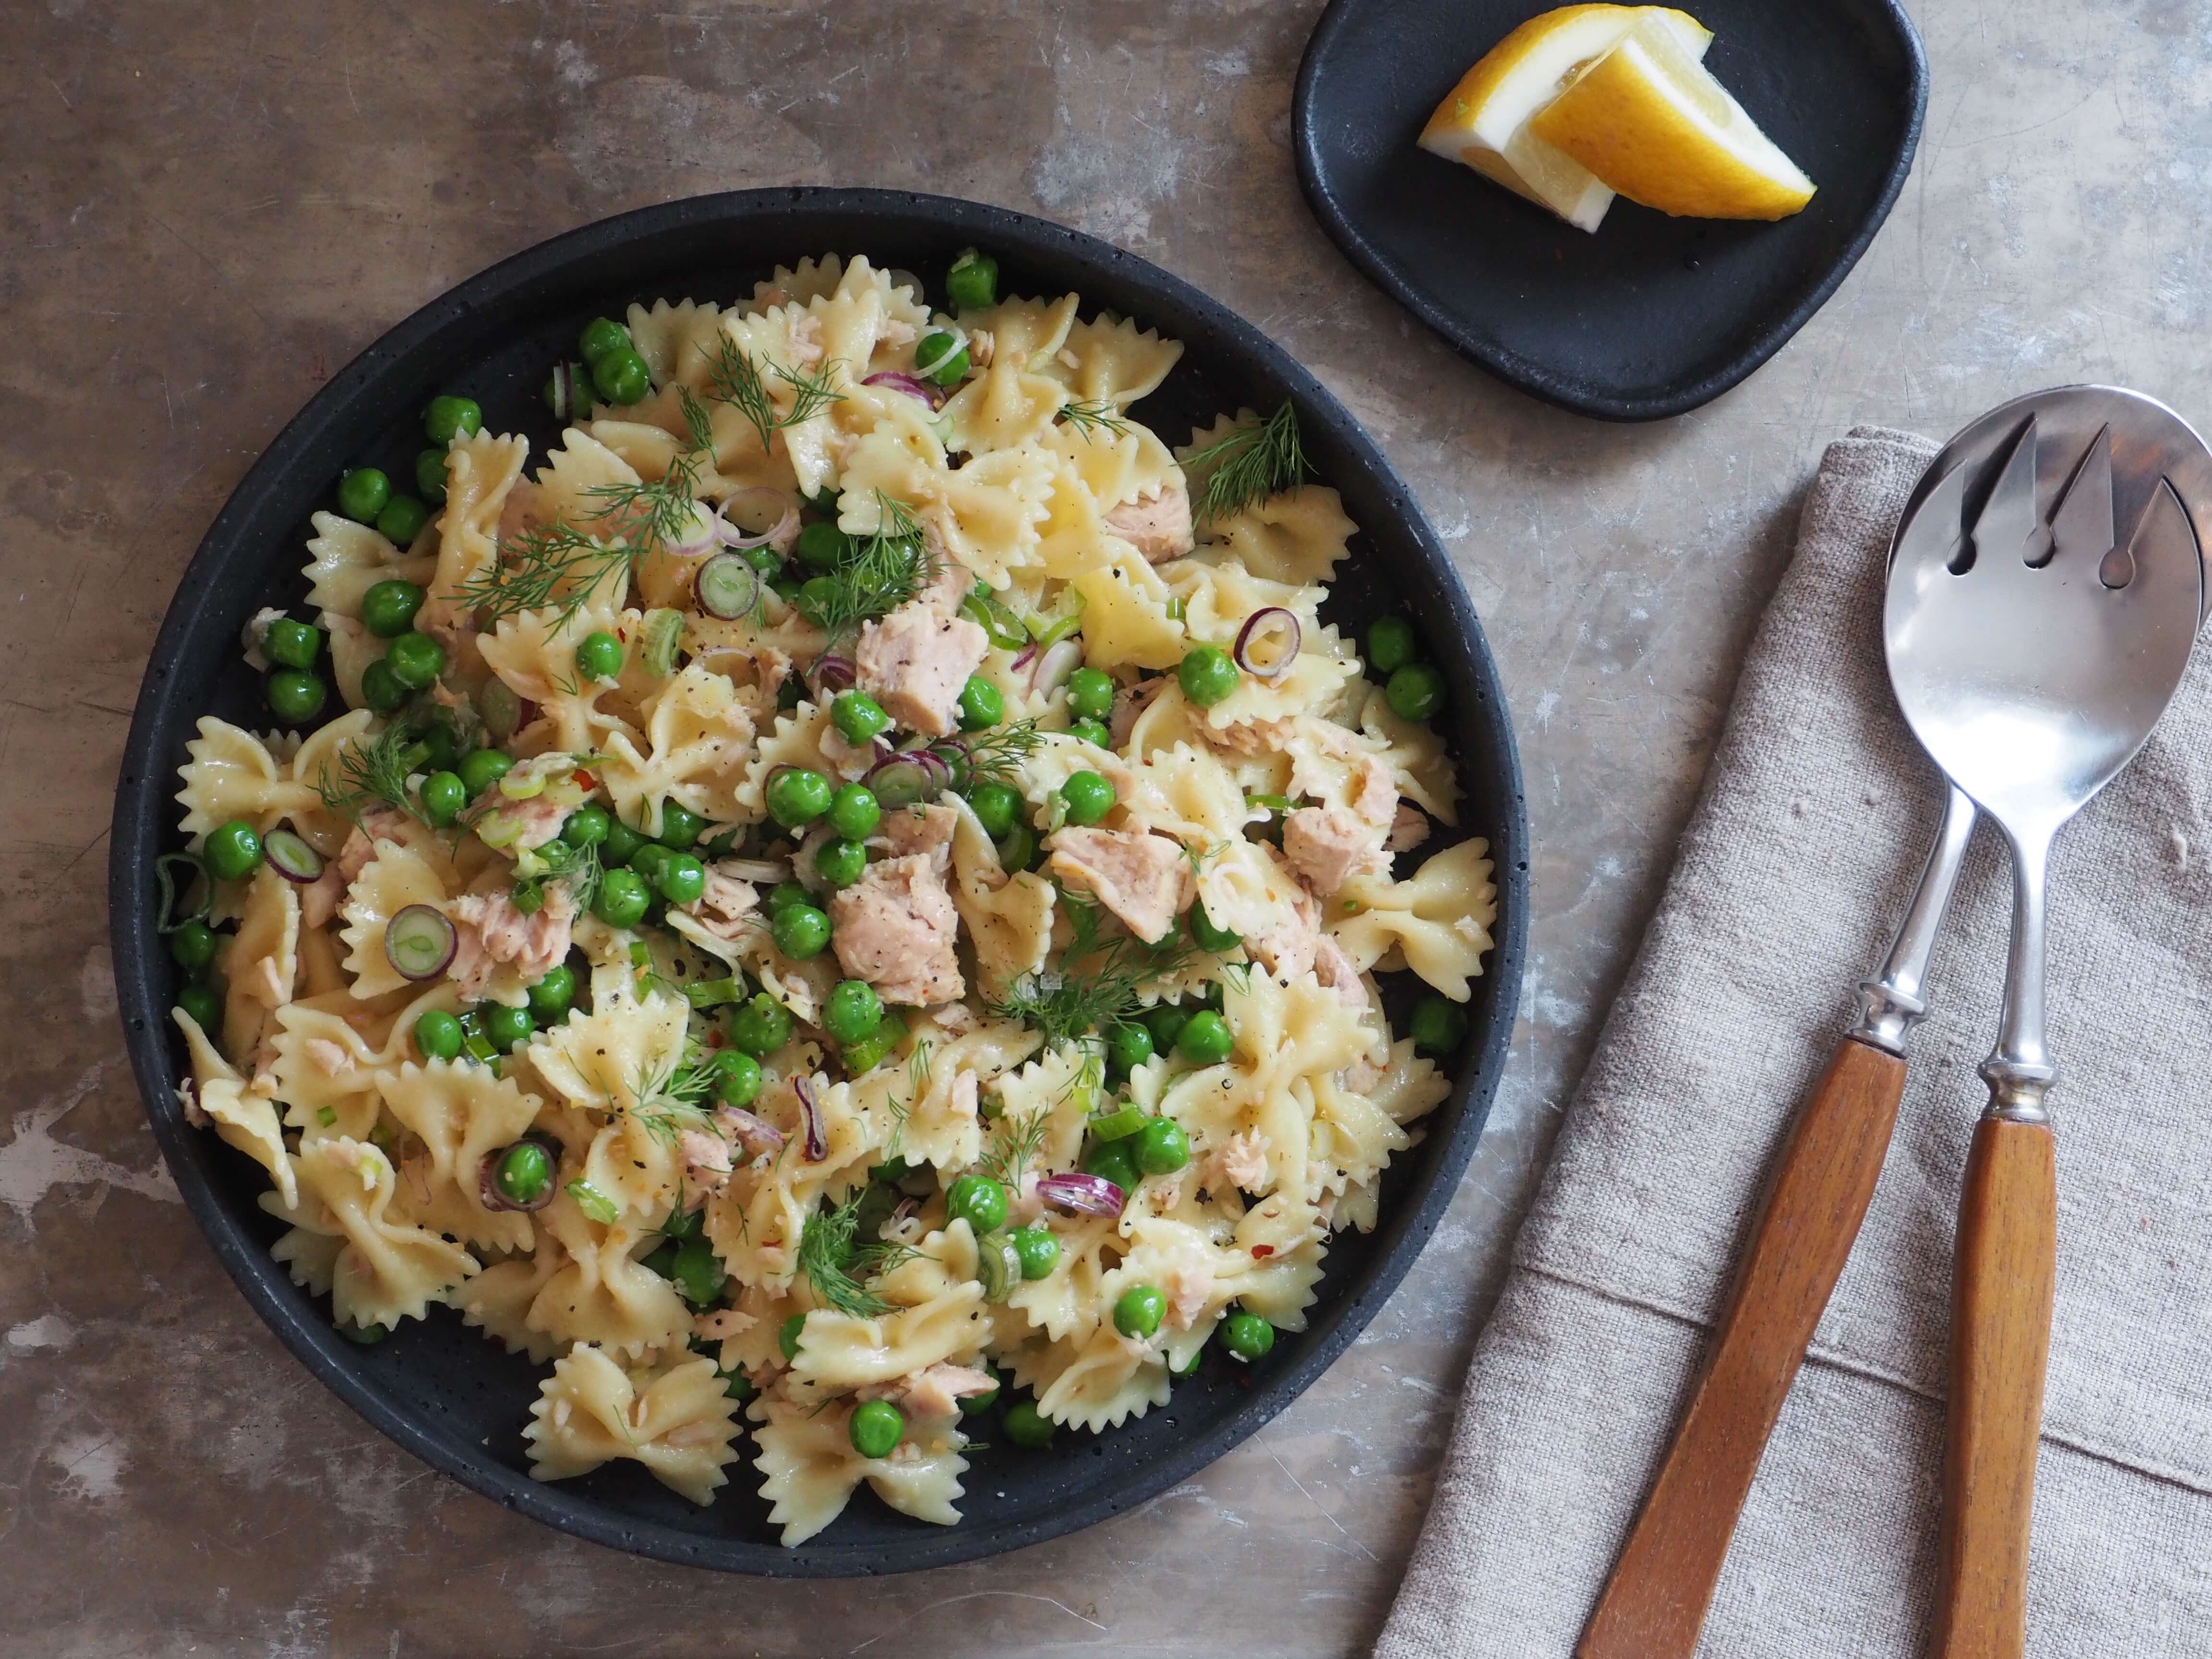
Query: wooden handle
(1654,1603)
(2003,1271)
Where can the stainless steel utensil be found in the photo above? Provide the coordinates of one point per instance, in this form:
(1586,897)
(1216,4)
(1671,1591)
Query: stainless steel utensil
(2031,655)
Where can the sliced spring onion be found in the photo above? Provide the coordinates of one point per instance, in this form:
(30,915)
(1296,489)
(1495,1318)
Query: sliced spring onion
(563,400)
(818,1139)
(714,993)
(956,342)
(662,632)
(1271,623)
(727,586)
(487,1176)
(1119,1124)
(1060,629)
(1005,630)
(290,857)
(167,918)
(998,1266)
(1086,1195)
(594,1203)
(901,781)
(502,709)
(419,941)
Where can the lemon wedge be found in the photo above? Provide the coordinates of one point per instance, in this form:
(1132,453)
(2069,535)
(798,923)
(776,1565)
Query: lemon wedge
(1651,122)
(1485,121)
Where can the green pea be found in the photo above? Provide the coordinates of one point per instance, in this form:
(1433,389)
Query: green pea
(682,878)
(480,769)
(858,717)
(737,1386)
(1207,936)
(972,284)
(1246,1336)
(552,996)
(380,689)
(1027,1426)
(649,861)
(506,1027)
(978,1201)
(841,863)
(1138,1312)
(415,660)
(853,1012)
(738,1082)
(981,704)
(599,655)
(947,357)
(291,644)
(601,336)
(765,561)
(430,477)
(1163,1147)
(786,1335)
(784,895)
(1115,1161)
(1128,1047)
(822,546)
(877,1428)
(871,1051)
(402,520)
(997,806)
(1039,1250)
(201,1006)
(232,851)
(362,493)
(1090,798)
(1090,694)
(800,931)
(192,946)
(1207,674)
(698,1273)
(443,794)
(622,898)
(524,1172)
(621,845)
(1189,1367)
(1165,1023)
(621,377)
(1415,692)
(366,1336)
(1205,1039)
(975,1405)
(1438,1026)
(797,796)
(438,1036)
(588,826)
(680,827)
(1391,644)
(449,417)
(295,696)
(855,812)
(388,608)
(1018,847)
(1094,732)
(817,596)
(760,1027)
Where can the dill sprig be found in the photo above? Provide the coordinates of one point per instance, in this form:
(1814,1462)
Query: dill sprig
(1077,1003)
(733,378)
(840,1265)
(375,772)
(674,1099)
(576,868)
(993,755)
(1014,1146)
(1092,418)
(882,570)
(1250,465)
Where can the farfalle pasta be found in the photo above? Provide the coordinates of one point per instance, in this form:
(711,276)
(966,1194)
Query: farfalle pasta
(844,903)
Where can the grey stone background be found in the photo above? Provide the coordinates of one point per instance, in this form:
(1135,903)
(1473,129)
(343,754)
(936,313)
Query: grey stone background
(206,206)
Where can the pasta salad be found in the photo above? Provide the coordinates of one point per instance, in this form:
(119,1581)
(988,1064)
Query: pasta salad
(840,907)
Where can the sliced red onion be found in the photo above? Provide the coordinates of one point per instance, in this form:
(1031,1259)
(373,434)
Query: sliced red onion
(818,1140)
(419,942)
(756,1134)
(698,538)
(290,857)
(785,525)
(487,1176)
(901,781)
(1028,655)
(908,384)
(1086,1195)
(1260,623)
(1058,662)
(838,673)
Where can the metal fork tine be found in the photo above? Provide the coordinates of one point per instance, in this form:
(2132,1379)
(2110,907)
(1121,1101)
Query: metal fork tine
(2009,527)
(1934,534)
(2083,528)
(2161,563)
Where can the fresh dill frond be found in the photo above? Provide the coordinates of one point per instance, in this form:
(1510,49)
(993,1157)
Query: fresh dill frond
(674,1099)
(696,422)
(1250,465)
(1014,1147)
(577,868)
(993,755)
(884,569)
(1096,988)
(840,1265)
(373,773)
(733,378)
(813,392)
(554,565)
(1092,418)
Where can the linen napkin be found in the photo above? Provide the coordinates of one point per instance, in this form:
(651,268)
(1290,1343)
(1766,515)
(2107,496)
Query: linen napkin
(1816,819)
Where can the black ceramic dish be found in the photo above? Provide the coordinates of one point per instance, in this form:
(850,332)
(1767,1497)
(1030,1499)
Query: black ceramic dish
(1651,316)
(443,1391)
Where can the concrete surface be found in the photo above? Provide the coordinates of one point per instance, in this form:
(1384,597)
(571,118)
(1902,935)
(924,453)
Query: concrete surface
(205,205)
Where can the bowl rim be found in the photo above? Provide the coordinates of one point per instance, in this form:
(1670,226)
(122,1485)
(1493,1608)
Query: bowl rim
(145,803)
(1542,381)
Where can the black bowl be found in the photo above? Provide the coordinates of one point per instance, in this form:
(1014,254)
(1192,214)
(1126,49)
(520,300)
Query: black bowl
(442,1390)
(1651,316)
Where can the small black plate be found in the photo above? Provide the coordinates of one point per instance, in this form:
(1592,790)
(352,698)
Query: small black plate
(1651,316)
(446,1393)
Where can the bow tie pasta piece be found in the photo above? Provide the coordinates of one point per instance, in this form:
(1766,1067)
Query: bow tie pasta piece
(388,1270)
(810,279)
(396,877)
(1005,408)
(1068,1301)
(1043,1110)
(481,470)
(698,748)
(1415,754)
(346,559)
(802,737)
(603,1293)
(1219,595)
(674,1418)
(498,1300)
(1127,622)
(534,652)
(1116,362)
(677,341)
(327,1067)
(614,1059)
(244,1117)
(811,1468)
(1115,467)
(1008,918)
(937,1317)
(259,964)
(1298,536)
(757,1222)
(1028,333)
(233,774)
(573,488)
(946,1074)
(989,515)
(462,1115)
(1099,1382)
(1436,922)
(1187,793)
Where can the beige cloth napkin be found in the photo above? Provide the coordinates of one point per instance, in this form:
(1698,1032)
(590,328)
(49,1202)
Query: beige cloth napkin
(1816,814)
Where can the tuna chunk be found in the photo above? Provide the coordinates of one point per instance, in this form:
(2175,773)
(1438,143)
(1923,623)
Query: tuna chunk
(895,928)
(916,661)
(724,908)
(1327,844)
(937,1390)
(1338,972)
(1157,525)
(925,830)
(707,1163)
(492,931)
(1240,1161)
(1141,877)
(1409,828)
